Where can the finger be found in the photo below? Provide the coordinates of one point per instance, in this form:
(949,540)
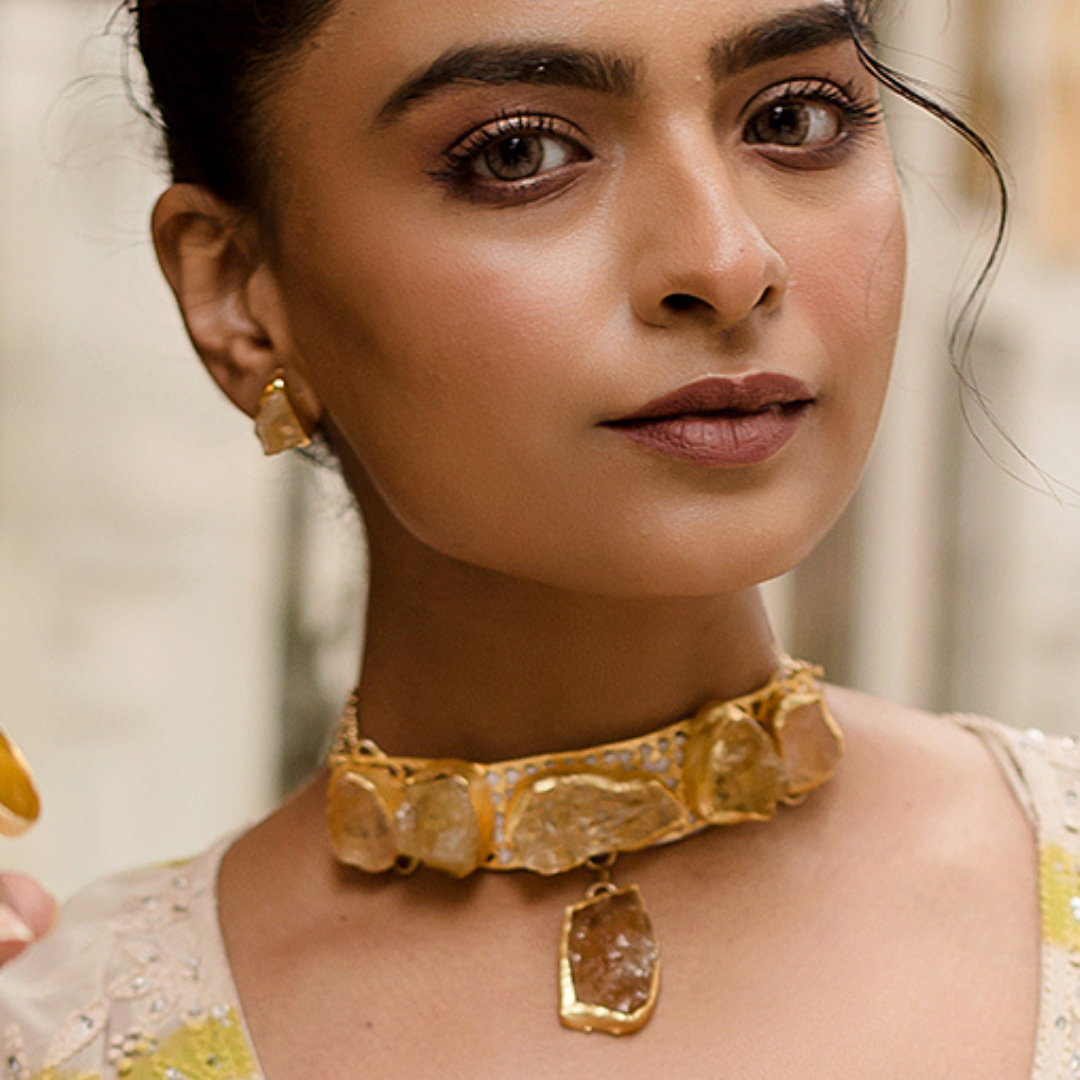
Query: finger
(30,901)
(27,912)
(15,935)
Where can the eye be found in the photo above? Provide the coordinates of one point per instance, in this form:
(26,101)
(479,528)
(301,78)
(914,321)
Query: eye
(796,122)
(514,158)
(810,121)
(521,157)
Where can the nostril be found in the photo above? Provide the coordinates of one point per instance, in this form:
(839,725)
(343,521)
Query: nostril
(680,301)
(769,298)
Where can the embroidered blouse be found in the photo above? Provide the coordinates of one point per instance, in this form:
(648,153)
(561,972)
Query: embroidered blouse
(136,984)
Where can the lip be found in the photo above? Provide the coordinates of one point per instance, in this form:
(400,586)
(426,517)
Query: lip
(717,393)
(720,421)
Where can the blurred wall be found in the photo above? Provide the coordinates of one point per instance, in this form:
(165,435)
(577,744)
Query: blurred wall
(140,540)
(954,582)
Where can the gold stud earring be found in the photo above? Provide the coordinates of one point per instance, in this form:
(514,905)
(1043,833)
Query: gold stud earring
(279,421)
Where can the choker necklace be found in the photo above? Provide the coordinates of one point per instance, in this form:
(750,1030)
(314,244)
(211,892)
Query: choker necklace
(732,761)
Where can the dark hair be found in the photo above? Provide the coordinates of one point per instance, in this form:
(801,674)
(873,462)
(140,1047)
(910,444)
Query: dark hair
(213,64)
(860,16)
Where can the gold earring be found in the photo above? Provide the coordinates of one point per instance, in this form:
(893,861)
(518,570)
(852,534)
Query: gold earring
(19,802)
(279,422)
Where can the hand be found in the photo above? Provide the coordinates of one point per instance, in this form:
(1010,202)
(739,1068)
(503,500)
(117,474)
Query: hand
(27,912)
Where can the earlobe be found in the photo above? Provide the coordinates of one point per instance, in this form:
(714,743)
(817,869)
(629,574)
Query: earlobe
(211,257)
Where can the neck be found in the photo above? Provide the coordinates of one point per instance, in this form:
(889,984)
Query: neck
(465,663)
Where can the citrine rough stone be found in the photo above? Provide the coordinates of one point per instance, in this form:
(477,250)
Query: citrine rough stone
(810,743)
(733,772)
(439,825)
(609,965)
(277,424)
(362,822)
(558,822)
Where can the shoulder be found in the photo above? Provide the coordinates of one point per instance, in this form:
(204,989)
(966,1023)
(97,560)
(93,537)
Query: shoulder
(974,794)
(1039,769)
(962,797)
(133,959)
(1041,772)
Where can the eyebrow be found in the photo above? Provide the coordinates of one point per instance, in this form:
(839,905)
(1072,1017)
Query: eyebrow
(497,65)
(785,34)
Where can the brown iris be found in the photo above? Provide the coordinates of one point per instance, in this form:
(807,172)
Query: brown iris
(515,158)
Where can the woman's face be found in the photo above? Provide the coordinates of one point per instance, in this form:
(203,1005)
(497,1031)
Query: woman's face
(598,294)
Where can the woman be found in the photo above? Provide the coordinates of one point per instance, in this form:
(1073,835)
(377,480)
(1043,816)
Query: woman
(595,305)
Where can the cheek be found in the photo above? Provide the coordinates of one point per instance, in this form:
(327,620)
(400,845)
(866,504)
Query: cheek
(466,377)
(865,252)
(450,367)
(854,307)
(411,312)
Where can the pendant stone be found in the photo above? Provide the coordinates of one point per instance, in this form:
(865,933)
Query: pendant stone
(609,963)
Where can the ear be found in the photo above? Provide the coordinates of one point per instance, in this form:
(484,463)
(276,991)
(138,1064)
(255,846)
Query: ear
(228,294)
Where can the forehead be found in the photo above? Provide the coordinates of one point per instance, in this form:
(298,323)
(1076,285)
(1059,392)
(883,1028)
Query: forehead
(380,44)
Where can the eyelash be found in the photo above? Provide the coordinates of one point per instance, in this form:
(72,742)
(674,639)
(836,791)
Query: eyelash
(858,115)
(460,158)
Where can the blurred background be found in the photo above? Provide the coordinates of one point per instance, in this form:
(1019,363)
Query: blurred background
(179,618)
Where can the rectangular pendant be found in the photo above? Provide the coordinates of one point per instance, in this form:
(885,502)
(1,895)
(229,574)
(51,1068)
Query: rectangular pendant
(609,963)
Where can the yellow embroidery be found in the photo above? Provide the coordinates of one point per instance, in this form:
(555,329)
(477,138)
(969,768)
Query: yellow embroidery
(213,1050)
(1059,893)
(52,1074)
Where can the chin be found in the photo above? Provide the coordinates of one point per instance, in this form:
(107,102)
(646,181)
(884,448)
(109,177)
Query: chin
(667,566)
(712,558)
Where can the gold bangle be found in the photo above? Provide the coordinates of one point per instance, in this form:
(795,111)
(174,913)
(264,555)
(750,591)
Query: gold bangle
(19,801)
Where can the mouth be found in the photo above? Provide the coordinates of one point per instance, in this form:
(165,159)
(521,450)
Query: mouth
(720,421)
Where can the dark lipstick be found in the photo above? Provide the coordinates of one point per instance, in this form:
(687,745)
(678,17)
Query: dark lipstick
(721,421)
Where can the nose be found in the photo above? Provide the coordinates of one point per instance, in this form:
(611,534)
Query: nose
(700,254)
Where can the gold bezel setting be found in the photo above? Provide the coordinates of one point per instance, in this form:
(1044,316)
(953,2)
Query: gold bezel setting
(732,761)
(633,969)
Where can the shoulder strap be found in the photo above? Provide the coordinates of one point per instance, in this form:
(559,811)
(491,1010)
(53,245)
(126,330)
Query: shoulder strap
(1044,773)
